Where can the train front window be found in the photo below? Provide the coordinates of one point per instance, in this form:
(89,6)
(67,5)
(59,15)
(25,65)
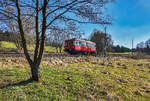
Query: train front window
(66,43)
(70,43)
(93,46)
(90,45)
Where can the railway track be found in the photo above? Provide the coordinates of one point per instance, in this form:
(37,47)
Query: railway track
(51,55)
(45,55)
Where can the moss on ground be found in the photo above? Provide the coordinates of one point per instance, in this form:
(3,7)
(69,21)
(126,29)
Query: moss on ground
(117,79)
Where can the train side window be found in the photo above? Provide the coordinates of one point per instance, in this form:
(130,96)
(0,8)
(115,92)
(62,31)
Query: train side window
(77,43)
(83,44)
(73,43)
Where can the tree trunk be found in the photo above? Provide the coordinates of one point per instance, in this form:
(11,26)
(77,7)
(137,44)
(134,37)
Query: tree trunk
(57,50)
(35,70)
(60,48)
(34,64)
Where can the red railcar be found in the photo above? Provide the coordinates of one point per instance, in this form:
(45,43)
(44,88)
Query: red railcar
(75,46)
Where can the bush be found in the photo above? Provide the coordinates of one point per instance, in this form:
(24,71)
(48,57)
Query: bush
(139,55)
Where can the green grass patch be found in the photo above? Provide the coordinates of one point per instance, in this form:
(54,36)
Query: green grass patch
(118,53)
(91,81)
(6,44)
(50,49)
(11,45)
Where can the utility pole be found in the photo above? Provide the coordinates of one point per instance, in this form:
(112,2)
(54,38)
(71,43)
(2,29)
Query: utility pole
(132,46)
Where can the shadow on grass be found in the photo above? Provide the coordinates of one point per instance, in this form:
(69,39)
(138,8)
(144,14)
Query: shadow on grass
(24,82)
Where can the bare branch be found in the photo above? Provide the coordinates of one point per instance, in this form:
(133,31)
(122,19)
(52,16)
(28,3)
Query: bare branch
(67,9)
(86,22)
(8,12)
(7,17)
(60,7)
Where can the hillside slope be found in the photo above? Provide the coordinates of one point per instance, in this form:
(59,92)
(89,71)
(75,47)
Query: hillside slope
(10,45)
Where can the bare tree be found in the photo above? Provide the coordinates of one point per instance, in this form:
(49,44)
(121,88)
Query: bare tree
(102,40)
(13,29)
(59,34)
(46,13)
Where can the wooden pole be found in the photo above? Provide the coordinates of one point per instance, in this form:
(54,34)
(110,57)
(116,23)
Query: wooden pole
(132,46)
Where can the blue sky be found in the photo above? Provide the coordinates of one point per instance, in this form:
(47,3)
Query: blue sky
(131,20)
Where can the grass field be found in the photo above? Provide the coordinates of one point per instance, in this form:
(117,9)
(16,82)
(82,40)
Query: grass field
(123,53)
(6,44)
(118,79)
(10,45)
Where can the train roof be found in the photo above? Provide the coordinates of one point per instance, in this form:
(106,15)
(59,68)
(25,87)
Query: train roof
(90,42)
(81,40)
